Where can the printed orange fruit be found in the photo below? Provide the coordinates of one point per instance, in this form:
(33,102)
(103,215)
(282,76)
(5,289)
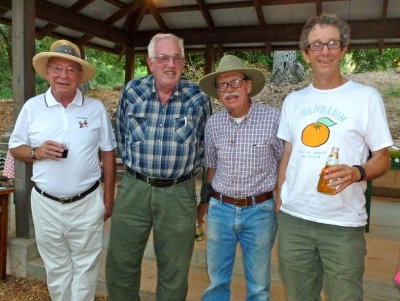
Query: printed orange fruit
(316,133)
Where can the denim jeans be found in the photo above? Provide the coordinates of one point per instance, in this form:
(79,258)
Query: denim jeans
(254,228)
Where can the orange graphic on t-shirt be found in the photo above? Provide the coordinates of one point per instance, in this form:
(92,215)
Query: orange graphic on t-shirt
(317,133)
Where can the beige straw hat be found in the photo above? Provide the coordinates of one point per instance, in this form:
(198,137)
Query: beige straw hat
(67,50)
(232,63)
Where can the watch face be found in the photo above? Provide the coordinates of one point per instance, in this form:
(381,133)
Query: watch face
(32,154)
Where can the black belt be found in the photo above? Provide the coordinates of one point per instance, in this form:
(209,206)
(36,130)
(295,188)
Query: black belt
(159,182)
(242,201)
(69,199)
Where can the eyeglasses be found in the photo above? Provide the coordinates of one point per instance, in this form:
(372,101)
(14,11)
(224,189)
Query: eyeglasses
(164,59)
(332,44)
(69,70)
(236,83)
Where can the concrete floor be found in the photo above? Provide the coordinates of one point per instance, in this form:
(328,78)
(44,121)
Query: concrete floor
(382,260)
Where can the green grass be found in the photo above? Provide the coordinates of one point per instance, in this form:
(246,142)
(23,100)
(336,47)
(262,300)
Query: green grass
(391,92)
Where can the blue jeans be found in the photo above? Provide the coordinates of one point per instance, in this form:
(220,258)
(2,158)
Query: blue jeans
(254,228)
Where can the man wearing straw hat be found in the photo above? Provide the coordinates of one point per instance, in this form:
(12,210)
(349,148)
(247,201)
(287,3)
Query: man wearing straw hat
(68,204)
(242,154)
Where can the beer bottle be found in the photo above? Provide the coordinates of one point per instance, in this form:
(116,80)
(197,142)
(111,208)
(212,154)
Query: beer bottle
(333,159)
(199,233)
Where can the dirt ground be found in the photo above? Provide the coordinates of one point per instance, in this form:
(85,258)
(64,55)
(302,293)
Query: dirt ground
(272,95)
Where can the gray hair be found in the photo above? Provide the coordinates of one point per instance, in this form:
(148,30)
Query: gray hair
(163,36)
(325,19)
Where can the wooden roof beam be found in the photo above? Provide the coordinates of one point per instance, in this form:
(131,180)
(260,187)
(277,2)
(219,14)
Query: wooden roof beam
(134,5)
(48,28)
(259,12)
(210,22)
(157,16)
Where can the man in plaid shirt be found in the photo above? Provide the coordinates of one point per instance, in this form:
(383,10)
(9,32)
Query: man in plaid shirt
(242,154)
(160,135)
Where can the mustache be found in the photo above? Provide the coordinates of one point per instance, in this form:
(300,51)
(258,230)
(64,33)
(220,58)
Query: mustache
(228,94)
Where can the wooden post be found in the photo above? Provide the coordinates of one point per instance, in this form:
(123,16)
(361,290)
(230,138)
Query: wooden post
(129,64)
(23,47)
(210,58)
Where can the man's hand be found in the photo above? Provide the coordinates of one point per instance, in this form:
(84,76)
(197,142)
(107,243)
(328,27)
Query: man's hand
(201,210)
(49,150)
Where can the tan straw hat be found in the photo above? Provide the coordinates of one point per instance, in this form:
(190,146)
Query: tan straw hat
(67,50)
(232,63)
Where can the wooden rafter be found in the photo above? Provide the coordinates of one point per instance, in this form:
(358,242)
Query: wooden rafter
(157,16)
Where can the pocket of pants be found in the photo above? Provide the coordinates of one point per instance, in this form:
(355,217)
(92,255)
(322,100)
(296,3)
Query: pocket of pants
(267,206)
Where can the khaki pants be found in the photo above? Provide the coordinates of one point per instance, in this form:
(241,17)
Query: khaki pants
(313,254)
(171,213)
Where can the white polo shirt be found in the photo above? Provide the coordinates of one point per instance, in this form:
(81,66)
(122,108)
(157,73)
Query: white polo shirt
(84,123)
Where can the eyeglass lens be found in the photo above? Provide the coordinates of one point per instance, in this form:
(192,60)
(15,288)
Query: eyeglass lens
(69,70)
(164,59)
(236,83)
(318,46)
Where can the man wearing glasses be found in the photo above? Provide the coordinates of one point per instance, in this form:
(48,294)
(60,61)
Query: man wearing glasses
(321,236)
(160,135)
(68,204)
(242,154)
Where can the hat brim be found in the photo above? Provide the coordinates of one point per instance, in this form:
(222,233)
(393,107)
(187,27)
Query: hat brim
(40,60)
(207,83)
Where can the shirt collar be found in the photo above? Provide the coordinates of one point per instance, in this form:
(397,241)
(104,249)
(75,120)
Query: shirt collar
(51,101)
(177,90)
(246,119)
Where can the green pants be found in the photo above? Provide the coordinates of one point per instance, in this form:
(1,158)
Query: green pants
(313,255)
(171,213)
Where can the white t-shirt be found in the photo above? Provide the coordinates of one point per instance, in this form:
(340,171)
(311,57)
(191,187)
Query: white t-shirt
(352,117)
(84,123)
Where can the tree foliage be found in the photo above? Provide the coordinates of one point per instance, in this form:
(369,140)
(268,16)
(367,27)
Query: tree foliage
(111,68)
(370,60)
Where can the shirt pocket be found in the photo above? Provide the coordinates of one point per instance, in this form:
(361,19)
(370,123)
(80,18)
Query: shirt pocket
(136,127)
(184,128)
(258,157)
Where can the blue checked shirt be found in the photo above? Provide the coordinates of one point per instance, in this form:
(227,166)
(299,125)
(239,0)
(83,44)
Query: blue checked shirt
(162,140)
(245,155)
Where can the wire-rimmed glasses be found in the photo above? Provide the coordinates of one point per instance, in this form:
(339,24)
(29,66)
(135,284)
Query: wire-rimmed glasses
(164,59)
(70,70)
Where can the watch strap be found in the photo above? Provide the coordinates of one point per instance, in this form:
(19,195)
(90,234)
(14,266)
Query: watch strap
(32,154)
(362,172)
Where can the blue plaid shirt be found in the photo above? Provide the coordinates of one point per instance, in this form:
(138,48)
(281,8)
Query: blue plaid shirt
(162,140)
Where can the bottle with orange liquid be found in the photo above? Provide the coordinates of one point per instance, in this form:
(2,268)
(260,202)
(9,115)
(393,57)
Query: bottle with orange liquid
(333,159)
(200,235)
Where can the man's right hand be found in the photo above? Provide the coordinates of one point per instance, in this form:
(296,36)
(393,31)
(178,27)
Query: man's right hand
(49,150)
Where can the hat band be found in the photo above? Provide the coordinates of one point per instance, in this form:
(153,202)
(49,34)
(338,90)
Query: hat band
(67,50)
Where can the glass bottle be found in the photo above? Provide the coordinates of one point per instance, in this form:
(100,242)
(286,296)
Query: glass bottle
(200,235)
(333,159)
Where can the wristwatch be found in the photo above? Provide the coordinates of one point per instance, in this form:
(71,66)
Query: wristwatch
(362,172)
(32,153)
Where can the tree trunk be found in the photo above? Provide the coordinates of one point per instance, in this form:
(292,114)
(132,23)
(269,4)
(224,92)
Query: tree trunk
(286,69)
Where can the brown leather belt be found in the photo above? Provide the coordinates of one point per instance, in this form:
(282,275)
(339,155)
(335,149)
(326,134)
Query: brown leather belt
(242,201)
(160,182)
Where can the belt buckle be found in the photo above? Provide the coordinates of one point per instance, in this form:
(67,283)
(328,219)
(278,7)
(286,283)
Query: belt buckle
(159,182)
(149,180)
(65,199)
(237,201)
